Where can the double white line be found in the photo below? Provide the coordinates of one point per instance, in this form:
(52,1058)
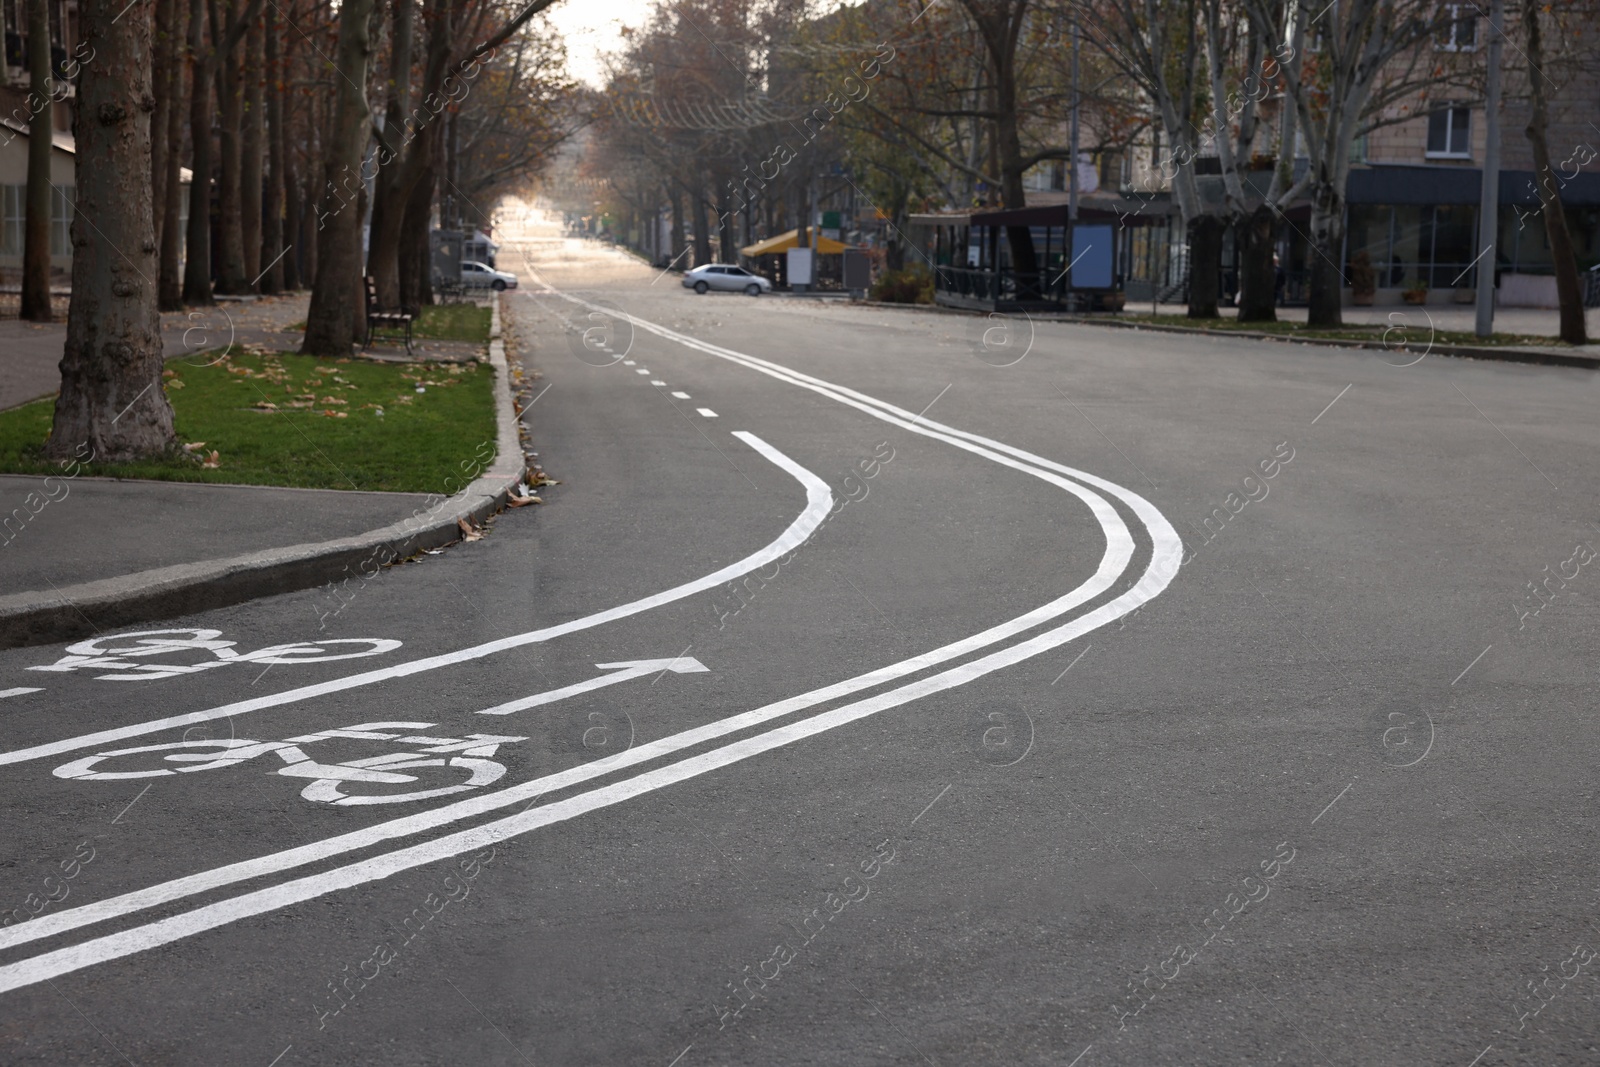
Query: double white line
(1163,565)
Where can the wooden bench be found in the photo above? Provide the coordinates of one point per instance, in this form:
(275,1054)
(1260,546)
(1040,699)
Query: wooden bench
(381,319)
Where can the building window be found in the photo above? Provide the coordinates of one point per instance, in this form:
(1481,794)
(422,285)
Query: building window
(12,216)
(1450,133)
(1457,28)
(61,212)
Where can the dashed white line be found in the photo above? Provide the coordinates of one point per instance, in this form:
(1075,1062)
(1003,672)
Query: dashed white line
(707,412)
(655,381)
(642,370)
(17,692)
(681,396)
(627,363)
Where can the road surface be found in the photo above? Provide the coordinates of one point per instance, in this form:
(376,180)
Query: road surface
(879,686)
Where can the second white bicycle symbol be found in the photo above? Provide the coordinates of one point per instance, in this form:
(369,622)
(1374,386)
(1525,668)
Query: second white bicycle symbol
(462,763)
(128,654)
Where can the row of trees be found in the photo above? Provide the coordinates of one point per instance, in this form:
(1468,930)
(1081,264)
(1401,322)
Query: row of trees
(980,92)
(304,125)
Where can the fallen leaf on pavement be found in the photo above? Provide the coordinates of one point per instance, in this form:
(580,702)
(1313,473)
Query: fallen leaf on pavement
(468,531)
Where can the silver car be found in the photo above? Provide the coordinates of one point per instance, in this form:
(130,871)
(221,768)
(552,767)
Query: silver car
(729,279)
(476,275)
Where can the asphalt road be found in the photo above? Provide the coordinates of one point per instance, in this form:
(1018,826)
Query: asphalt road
(916,688)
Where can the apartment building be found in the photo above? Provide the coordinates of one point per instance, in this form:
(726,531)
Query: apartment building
(16,114)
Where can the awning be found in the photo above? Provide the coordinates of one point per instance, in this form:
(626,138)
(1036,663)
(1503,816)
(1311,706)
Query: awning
(1428,185)
(785,241)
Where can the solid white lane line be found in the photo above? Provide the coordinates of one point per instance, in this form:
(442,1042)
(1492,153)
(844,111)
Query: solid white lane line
(1119,548)
(819,498)
(707,412)
(113,946)
(1165,560)
(681,396)
(1147,512)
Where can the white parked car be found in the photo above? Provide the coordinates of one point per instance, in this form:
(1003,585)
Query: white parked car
(729,279)
(476,275)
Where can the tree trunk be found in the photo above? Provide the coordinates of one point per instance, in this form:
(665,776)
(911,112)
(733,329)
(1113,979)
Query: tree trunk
(415,266)
(730,253)
(702,230)
(36,228)
(161,79)
(395,174)
(231,277)
(272,202)
(1327,279)
(251,154)
(111,398)
(1569,295)
(197,243)
(169,281)
(675,198)
(330,324)
(1205,266)
(1254,235)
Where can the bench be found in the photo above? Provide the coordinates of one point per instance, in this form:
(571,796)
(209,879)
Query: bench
(382,319)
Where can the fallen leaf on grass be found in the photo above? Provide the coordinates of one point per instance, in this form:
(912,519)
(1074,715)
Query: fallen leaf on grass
(334,400)
(213,461)
(332,414)
(194,446)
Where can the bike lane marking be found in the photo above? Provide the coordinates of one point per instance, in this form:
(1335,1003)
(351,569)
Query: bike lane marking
(819,499)
(1166,549)
(1160,572)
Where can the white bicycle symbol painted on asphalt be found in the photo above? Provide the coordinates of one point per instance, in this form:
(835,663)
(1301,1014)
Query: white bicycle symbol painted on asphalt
(126,653)
(468,755)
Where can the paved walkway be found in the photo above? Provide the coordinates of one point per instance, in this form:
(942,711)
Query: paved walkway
(158,524)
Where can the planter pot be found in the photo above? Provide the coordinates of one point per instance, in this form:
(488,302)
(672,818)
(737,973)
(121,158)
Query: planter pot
(1362,300)
(1413,296)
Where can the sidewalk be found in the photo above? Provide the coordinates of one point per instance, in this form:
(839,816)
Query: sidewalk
(182,547)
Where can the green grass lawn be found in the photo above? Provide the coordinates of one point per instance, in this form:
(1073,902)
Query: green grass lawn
(1409,326)
(281,419)
(439,322)
(453,322)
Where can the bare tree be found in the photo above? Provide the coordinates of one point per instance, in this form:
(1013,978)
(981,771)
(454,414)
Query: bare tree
(111,401)
(36,227)
(336,295)
(1562,257)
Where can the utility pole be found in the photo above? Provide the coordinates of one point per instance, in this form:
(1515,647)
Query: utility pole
(1489,205)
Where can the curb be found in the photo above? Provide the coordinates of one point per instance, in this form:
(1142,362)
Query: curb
(38,618)
(1495,353)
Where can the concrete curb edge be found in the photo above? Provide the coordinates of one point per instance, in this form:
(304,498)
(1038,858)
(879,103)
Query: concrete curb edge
(33,618)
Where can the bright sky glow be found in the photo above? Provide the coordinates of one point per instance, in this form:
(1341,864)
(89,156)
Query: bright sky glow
(593,27)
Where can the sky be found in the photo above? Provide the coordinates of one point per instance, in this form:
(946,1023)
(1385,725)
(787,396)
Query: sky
(592,27)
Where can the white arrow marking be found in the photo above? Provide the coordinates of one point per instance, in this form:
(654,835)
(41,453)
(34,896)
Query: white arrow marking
(624,671)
